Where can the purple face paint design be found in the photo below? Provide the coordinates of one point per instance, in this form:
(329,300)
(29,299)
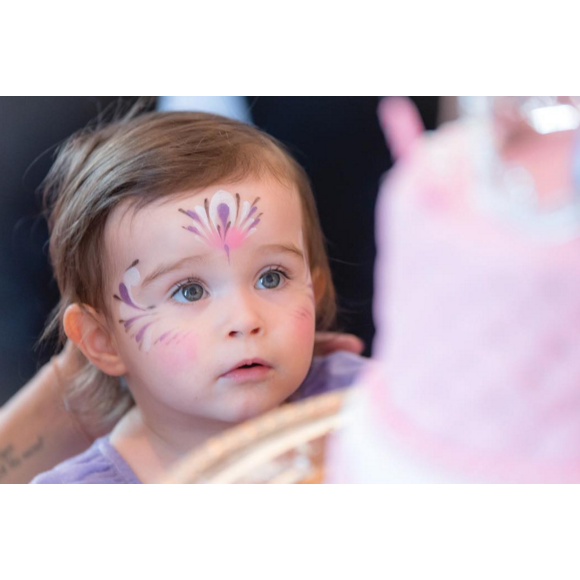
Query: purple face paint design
(225,222)
(303,314)
(222,223)
(140,321)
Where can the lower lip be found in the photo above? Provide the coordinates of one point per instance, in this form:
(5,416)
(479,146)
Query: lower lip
(248,375)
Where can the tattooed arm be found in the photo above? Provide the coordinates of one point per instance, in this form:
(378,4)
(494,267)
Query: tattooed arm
(36,432)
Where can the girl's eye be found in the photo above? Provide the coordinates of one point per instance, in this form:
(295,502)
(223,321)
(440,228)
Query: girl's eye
(271,276)
(191,291)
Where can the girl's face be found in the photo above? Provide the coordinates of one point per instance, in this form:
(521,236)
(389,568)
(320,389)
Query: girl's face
(205,283)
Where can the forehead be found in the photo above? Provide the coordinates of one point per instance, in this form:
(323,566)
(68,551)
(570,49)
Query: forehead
(159,230)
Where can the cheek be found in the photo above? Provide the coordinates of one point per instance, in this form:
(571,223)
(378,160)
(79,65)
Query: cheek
(178,356)
(303,322)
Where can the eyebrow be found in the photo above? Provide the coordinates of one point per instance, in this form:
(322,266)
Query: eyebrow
(164,269)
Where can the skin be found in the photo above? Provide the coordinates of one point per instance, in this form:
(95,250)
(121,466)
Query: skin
(181,394)
(37,433)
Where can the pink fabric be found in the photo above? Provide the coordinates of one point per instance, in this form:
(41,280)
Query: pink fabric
(478,327)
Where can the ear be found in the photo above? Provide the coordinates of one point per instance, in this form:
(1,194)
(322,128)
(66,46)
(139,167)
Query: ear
(318,284)
(85,327)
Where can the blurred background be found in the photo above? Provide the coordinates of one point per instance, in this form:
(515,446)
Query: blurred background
(337,140)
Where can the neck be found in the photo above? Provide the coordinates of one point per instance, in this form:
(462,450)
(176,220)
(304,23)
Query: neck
(152,446)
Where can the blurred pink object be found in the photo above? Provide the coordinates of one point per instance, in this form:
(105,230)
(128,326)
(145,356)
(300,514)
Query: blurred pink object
(401,123)
(476,372)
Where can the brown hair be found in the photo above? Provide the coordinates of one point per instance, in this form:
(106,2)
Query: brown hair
(143,159)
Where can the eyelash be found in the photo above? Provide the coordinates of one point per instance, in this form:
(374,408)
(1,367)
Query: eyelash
(189,281)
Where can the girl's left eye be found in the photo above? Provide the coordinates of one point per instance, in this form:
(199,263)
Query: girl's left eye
(192,290)
(271,279)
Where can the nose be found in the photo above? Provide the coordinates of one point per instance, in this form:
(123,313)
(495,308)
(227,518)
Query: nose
(256,331)
(245,318)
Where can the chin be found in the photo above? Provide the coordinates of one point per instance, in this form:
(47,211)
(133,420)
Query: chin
(248,412)
(253,407)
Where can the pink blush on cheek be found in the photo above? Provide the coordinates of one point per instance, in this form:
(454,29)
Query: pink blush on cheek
(179,355)
(303,321)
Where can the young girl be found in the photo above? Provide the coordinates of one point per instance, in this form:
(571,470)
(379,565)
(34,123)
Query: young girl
(191,264)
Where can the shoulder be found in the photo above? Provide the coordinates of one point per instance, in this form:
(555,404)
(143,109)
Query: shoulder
(340,367)
(329,373)
(100,463)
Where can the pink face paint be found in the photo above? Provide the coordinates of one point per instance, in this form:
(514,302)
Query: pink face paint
(179,356)
(224,222)
(163,337)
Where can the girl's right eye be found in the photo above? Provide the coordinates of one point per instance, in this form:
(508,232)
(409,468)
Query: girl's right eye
(188,293)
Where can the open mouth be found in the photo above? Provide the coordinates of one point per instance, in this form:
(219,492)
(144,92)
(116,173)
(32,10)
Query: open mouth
(248,370)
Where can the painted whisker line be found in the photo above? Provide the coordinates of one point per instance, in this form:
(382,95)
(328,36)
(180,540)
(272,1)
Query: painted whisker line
(143,335)
(163,336)
(183,337)
(172,339)
(128,323)
(303,314)
(140,335)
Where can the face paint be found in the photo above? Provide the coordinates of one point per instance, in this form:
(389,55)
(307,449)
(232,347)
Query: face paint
(177,360)
(225,222)
(303,314)
(140,321)
(214,227)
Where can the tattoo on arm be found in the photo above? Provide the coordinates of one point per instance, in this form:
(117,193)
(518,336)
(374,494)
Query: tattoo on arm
(10,460)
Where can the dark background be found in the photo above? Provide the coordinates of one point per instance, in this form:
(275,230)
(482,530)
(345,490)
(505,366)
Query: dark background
(336,139)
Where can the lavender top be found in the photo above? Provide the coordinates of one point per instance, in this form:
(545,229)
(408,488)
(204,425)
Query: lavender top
(101,463)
